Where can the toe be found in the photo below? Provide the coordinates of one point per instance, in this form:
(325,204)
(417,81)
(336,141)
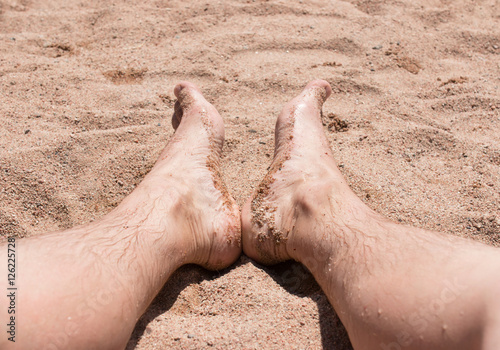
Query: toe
(321,85)
(191,105)
(198,126)
(177,115)
(184,89)
(188,95)
(308,103)
(299,123)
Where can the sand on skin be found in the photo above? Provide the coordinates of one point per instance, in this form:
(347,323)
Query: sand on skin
(87,95)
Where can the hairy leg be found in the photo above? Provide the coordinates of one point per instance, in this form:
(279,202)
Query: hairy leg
(393,286)
(85,288)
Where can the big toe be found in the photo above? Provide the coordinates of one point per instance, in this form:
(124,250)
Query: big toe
(322,86)
(198,126)
(191,106)
(185,93)
(299,125)
(307,104)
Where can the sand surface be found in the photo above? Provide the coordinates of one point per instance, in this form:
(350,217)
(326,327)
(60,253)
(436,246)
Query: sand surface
(87,95)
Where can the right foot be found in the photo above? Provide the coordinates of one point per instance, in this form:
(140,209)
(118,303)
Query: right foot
(382,278)
(302,188)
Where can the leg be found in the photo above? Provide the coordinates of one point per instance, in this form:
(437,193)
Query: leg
(393,286)
(86,287)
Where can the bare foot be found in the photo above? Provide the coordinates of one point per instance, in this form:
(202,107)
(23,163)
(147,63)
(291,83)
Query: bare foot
(186,182)
(99,278)
(280,216)
(213,225)
(383,279)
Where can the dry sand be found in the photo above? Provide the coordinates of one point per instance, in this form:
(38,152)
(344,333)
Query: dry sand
(86,100)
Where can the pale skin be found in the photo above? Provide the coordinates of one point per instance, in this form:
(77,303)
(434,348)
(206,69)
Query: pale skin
(393,286)
(85,288)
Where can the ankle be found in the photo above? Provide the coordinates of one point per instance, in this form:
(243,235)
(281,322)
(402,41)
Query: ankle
(327,228)
(144,224)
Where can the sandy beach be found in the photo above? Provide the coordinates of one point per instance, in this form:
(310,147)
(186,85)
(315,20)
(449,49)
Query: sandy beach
(87,97)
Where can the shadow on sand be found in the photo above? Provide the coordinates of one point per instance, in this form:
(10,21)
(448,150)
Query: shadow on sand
(180,279)
(297,280)
(292,276)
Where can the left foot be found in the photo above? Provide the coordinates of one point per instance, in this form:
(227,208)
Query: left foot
(186,182)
